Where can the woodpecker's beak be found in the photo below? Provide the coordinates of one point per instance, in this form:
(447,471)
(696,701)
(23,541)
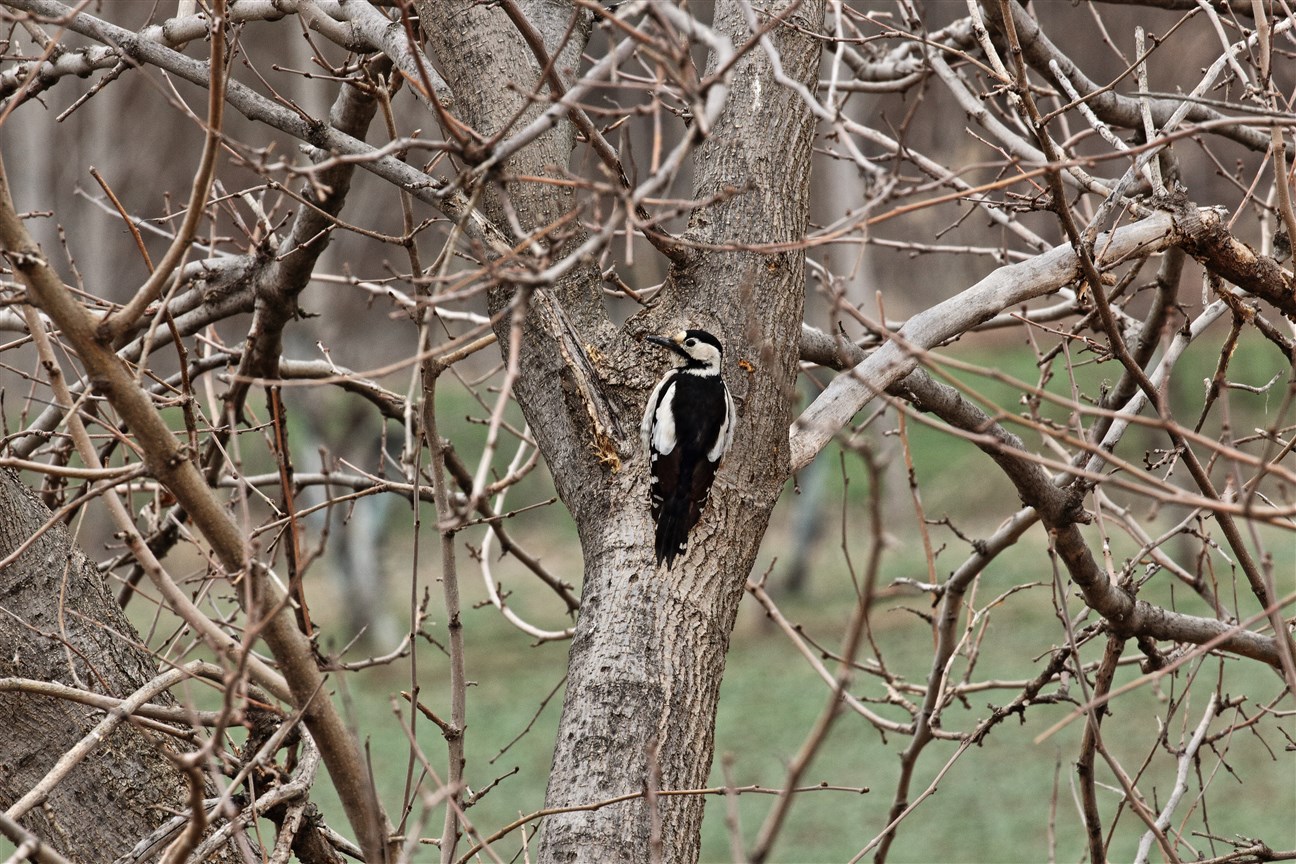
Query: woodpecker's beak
(672,342)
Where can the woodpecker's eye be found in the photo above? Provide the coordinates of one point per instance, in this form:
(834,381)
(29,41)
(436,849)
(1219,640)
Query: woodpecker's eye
(690,343)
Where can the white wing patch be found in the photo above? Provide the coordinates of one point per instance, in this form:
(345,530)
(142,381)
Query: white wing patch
(725,439)
(663,427)
(646,425)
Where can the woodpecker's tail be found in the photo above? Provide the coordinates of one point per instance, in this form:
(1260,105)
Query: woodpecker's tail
(682,508)
(673,525)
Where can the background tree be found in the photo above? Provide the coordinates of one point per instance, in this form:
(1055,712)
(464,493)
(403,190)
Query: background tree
(583,155)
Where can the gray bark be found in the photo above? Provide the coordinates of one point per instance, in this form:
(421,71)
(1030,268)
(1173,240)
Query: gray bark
(61,624)
(649,651)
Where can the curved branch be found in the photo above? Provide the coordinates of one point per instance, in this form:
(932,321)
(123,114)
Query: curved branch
(133,48)
(1052,504)
(1061,514)
(170,463)
(1008,286)
(119,322)
(1038,51)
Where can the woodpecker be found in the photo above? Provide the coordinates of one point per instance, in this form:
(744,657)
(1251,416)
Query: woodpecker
(687,426)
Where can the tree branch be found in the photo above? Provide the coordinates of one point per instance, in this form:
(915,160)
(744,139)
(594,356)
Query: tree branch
(1006,287)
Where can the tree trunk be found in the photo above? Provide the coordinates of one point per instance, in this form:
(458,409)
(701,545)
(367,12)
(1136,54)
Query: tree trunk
(62,625)
(648,655)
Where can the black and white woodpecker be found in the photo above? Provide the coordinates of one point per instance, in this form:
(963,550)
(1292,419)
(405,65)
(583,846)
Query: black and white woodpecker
(687,426)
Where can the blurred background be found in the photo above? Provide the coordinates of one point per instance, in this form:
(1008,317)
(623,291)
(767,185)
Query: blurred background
(1011,797)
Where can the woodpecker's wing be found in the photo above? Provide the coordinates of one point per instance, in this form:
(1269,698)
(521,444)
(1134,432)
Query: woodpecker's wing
(657,434)
(663,480)
(655,400)
(700,490)
(681,485)
(725,439)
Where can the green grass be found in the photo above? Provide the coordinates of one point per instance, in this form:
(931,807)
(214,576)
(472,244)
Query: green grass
(996,803)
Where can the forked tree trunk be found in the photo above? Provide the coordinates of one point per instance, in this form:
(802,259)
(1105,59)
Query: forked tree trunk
(649,652)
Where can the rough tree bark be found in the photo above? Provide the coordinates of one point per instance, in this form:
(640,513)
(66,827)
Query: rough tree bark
(649,651)
(62,625)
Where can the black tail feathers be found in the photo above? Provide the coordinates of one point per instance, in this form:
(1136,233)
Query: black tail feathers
(673,527)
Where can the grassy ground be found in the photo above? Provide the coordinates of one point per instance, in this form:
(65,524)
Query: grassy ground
(1010,799)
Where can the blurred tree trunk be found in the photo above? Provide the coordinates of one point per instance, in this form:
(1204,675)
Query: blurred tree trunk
(62,625)
(649,652)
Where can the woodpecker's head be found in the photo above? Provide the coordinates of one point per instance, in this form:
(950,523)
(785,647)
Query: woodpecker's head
(700,350)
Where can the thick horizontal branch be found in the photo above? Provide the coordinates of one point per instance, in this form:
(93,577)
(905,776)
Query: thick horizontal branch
(354,26)
(252,105)
(1006,287)
(165,713)
(1117,110)
(1224,255)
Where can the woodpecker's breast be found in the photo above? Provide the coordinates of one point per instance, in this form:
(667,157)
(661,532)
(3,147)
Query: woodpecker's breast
(696,408)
